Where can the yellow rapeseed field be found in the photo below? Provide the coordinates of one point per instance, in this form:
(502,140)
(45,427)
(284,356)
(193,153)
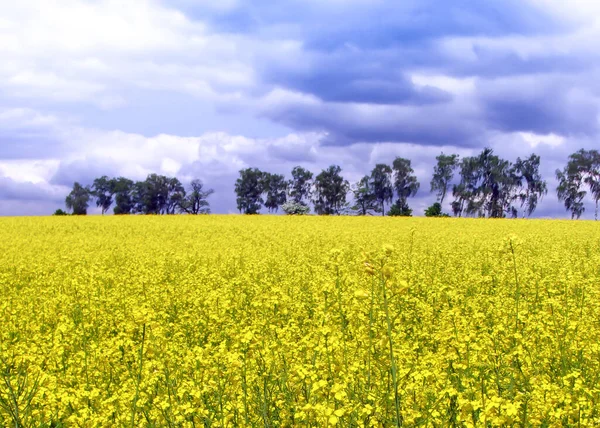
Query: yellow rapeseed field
(281,321)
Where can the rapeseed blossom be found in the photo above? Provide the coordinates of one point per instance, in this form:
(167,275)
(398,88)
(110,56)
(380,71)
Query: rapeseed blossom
(281,321)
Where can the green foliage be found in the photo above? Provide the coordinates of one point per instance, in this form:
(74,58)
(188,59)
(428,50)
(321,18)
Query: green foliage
(583,168)
(60,212)
(249,190)
(400,210)
(489,186)
(364,197)
(381,185)
(78,200)
(158,194)
(405,182)
(103,191)
(435,210)
(123,189)
(330,191)
(443,173)
(528,173)
(300,185)
(275,187)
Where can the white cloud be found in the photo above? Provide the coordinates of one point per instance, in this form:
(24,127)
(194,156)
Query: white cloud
(91,52)
(534,140)
(457,86)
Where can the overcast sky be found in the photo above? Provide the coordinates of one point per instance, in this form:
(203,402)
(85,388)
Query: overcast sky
(203,88)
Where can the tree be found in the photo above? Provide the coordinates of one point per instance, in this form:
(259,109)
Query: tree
(435,210)
(381,185)
(275,187)
(60,212)
(583,168)
(175,196)
(123,189)
(249,190)
(364,197)
(103,190)
(443,173)
(488,186)
(151,194)
(405,183)
(535,187)
(196,201)
(78,200)
(400,210)
(569,191)
(300,185)
(330,191)
(464,192)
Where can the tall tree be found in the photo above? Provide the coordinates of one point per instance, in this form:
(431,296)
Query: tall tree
(300,185)
(443,173)
(79,199)
(592,178)
(487,187)
(364,197)
(103,190)
(249,190)
(381,185)
(275,187)
(583,168)
(330,191)
(123,195)
(406,184)
(196,201)
(569,191)
(533,186)
(152,196)
(175,196)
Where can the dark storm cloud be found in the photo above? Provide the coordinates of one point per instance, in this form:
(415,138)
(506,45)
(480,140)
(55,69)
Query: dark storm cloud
(346,124)
(352,78)
(543,105)
(361,52)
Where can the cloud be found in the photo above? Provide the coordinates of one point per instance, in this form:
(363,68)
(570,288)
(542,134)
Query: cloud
(203,89)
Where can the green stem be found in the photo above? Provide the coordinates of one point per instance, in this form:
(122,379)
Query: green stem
(392,358)
(139,378)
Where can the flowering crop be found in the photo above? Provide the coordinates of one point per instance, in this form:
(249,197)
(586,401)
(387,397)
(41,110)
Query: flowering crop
(279,321)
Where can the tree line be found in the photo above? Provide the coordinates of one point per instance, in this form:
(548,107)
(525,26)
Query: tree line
(484,185)
(158,194)
(488,186)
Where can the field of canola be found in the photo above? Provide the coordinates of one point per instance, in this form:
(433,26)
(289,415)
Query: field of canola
(280,321)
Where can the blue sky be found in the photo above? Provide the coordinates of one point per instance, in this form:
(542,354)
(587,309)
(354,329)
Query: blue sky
(201,89)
